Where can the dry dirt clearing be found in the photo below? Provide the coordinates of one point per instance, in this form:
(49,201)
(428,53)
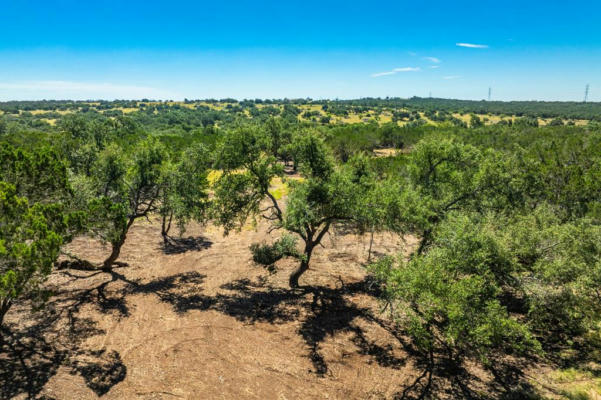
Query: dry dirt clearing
(198,319)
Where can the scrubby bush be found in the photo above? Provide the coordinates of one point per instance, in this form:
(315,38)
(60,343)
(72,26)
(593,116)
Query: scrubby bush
(268,254)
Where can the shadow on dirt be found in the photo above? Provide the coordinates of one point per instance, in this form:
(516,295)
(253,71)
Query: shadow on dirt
(175,245)
(441,379)
(31,355)
(27,362)
(100,369)
(325,312)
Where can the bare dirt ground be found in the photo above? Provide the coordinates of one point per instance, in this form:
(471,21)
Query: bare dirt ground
(197,319)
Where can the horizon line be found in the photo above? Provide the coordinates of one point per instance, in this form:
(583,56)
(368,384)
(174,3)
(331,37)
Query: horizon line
(309,99)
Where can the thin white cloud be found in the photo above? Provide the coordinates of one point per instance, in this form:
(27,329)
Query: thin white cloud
(383,74)
(434,66)
(82,90)
(412,53)
(472,46)
(451,77)
(433,59)
(395,71)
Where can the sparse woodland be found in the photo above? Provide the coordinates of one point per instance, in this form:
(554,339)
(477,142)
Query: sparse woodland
(506,215)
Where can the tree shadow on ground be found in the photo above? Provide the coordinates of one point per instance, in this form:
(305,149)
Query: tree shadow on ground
(32,353)
(331,313)
(30,357)
(179,245)
(325,312)
(99,296)
(100,369)
(182,291)
(440,378)
(27,362)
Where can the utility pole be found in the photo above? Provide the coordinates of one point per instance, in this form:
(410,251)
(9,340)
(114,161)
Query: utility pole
(586,93)
(489,93)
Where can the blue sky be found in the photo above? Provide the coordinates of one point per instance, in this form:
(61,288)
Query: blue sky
(58,49)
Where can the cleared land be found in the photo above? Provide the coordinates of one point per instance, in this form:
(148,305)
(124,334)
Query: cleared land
(196,318)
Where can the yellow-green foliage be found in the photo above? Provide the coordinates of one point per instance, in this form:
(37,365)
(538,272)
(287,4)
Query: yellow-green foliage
(279,188)
(213,176)
(578,384)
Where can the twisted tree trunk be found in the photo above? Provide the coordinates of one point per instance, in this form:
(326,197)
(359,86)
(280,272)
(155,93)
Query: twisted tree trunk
(107,265)
(302,268)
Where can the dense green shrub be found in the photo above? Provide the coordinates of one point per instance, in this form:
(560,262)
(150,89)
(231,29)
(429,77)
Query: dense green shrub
(268,254)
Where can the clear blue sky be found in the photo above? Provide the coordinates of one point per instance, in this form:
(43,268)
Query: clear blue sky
(79,49)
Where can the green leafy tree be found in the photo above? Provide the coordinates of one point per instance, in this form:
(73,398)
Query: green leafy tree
(490,284)
(559,266)
(475,121)
(556,122)
(444,175)
(41,175)
(325,196)
(248,165)
(3,126)
(313,207)
(185,190)
(378,207)
(509,254)
(526,122)
(28,249)
(564,171)
(123,188)
(449,295)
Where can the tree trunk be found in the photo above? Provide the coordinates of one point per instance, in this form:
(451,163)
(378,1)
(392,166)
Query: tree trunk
(4,307)
(424,242)
(302,268)
(371,242)
(293,281)
(166,226)
(107,265)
